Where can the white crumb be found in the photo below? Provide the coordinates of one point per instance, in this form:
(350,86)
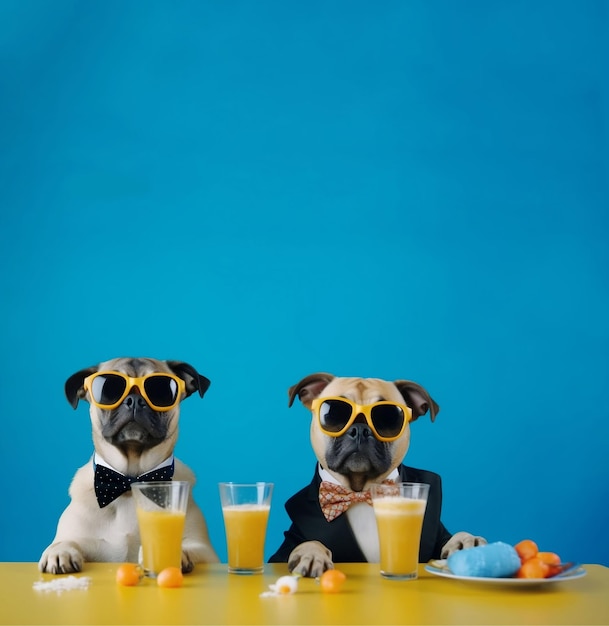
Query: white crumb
(63,584)
(285,585)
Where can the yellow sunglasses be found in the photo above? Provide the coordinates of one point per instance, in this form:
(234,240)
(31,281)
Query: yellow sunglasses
(386,419)
(161,391)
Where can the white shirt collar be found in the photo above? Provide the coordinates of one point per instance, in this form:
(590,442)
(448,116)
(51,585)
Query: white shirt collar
(325,475)
(99,460)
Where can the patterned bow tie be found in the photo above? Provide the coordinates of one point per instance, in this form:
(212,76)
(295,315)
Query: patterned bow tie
(109,484)
(336,499)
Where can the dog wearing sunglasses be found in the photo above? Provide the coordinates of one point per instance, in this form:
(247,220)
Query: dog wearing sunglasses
(134,411)
(360,433)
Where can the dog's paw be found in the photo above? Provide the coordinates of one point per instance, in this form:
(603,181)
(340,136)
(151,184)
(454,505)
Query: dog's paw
(461,541)
(64,557)
(187,562)
(310,559)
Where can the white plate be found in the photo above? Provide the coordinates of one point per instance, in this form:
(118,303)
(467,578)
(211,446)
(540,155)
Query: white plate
(572,574)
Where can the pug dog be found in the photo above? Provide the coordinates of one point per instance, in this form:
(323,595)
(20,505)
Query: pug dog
(360,433)
(134,410)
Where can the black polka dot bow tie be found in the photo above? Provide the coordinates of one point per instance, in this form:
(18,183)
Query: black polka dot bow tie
(109,484)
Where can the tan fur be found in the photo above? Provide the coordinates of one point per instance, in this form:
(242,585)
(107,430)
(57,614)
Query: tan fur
(312,558)
(362,391)
(86,532)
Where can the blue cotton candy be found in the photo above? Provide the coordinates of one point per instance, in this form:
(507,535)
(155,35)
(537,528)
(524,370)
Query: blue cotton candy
(493,560)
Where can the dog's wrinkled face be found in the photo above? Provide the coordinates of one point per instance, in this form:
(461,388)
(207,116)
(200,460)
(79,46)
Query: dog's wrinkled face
(133,428)
(357,458)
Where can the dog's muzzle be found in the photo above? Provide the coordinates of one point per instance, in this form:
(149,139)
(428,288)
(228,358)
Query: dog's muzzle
(134,422)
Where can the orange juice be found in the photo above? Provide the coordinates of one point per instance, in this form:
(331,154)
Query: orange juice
(161,535)
(399,522)
(245,526)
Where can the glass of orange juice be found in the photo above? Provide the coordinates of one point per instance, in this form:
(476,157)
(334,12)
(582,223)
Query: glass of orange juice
(245,507)
(399,509)
(161,513)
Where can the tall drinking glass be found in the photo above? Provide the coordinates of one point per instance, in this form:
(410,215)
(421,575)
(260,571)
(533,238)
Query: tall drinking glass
(399,511)
(245,507)
(161,514)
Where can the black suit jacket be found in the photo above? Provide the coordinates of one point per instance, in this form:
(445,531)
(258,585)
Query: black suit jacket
(309,523)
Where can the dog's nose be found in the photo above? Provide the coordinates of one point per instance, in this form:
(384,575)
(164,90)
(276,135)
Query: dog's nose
(359,431)
(135,401)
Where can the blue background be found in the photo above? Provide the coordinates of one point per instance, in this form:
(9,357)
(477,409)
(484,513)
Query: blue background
(405,189)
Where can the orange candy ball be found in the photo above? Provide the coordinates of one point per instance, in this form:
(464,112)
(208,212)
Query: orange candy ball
(128,574)
(526,549)
(536,564)
(332,580)
(551,558)
(533,568)
(170,577)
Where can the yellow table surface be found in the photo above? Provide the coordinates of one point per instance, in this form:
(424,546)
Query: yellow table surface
(211,596)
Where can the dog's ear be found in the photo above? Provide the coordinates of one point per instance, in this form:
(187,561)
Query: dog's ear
(194,381)
(309,388)
(74,386)
(417,399)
